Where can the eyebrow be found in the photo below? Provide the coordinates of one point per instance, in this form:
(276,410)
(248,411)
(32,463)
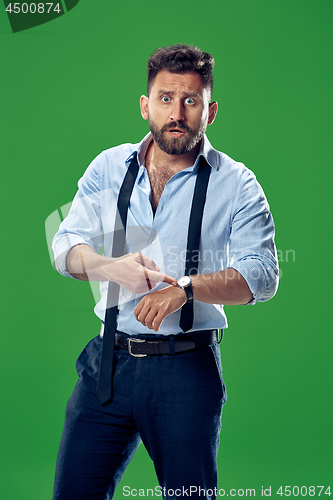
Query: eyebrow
(187,94)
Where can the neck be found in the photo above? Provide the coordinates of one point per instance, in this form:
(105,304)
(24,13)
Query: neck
(157,157)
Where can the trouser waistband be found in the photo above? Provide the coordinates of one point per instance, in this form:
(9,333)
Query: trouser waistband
(138,346)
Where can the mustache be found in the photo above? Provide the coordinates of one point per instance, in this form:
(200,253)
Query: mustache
(178,125)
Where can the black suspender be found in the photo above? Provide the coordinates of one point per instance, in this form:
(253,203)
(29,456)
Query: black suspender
(104,386)
(193,236)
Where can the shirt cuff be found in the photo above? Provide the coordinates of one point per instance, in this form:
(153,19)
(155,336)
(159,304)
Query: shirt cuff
(262,279)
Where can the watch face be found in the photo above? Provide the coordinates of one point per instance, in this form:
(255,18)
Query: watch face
(184,281)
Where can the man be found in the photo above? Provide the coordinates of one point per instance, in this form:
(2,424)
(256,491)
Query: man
(199,235)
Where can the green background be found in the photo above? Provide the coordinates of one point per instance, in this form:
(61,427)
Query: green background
(69,89)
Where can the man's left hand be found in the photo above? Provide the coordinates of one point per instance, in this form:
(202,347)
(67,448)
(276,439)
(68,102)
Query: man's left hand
(156,306)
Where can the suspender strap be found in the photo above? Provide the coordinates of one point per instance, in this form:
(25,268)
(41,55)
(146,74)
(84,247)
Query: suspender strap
(104,385)
(193,237)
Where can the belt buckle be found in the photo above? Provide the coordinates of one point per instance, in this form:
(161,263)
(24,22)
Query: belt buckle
(130,348)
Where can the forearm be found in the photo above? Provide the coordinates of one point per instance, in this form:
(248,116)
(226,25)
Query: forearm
(87,265)
(226,287)
(135,272)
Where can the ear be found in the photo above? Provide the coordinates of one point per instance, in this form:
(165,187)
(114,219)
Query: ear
(144,107)
(212,112)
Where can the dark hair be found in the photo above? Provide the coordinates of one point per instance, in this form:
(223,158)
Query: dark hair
(181,58)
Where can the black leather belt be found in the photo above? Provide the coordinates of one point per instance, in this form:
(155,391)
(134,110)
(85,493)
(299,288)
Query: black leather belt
(173,344)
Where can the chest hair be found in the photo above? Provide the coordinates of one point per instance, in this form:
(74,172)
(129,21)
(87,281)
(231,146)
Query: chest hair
(158,178)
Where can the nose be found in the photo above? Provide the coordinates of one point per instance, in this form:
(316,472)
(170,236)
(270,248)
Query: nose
(177,112)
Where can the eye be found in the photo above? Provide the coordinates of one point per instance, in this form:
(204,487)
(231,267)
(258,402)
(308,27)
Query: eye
(165,98)
(189,100)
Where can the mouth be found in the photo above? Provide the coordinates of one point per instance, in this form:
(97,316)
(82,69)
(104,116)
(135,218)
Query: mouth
(176,132)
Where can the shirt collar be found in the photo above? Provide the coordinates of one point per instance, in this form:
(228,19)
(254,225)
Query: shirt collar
(209,153)
(206,150)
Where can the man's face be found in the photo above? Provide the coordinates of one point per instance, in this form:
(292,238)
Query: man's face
(178,111)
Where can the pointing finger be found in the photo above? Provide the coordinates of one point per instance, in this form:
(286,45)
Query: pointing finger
(155,278)
(169,279)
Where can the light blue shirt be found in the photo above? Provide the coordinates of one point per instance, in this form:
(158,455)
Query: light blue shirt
(237,228)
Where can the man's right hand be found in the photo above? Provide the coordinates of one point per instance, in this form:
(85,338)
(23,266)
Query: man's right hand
(135,272)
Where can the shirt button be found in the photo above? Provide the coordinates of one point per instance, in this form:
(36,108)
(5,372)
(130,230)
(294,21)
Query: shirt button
(148,212)
(163,208)
(154,242)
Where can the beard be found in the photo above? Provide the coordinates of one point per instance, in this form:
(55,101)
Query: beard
(176,145)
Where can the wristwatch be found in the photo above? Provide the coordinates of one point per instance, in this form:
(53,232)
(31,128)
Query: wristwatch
(186,284)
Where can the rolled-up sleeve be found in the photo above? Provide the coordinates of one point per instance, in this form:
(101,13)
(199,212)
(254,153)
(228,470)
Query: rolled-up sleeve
(83,223)
(252,247)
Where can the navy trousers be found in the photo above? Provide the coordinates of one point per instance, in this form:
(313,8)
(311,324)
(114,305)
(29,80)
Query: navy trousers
(172,403)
